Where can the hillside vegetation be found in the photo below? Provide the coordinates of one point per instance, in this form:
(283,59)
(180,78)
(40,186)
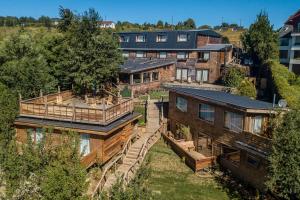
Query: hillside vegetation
(233,36)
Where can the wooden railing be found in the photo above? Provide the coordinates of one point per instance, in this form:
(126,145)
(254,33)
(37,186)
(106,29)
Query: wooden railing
(113,164)
(41,109)
(257,141)
(146,146)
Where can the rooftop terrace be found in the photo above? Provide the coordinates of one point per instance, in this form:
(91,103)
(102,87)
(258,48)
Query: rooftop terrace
(66,106)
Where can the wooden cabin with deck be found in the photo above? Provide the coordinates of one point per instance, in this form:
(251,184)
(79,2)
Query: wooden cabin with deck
(233,129)
(104,124)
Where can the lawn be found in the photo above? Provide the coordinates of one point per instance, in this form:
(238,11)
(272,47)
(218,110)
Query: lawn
(156,94)
(171,179)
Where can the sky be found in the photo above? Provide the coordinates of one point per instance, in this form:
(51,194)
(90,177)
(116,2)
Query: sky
(211,12)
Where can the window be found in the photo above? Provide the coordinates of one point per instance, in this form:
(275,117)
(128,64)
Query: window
(297,41)
(125,54)
(284,41)
(202,75)
(206,112)
(161,38)
(181,104)
(146,77)
(84,144)
(184,74)
(140,38)
(124,38)
(283,54)
(140,54)
(182,38)
(203,56)
(155,76)
(178,74)
(162,54)
(297,55)
(257,124)
(182,55)
(252,161)
(234,121)
(36,135)
(298,27)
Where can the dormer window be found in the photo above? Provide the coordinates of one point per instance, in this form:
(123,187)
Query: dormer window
(182,55)
(124,38)
(140,54)
(182,38)
(161,38)
(140,38)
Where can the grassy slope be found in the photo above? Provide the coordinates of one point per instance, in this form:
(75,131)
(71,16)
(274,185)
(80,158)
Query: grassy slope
(171,179)
(6,31)
(233,36)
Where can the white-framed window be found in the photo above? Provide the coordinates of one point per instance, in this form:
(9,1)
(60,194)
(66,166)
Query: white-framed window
(203,56)
(125,54)
(84,144)
(234,121)
(181,74)
(161,38)
(124,38)
(140,54)
(162,54)
(182,38)
(178,74)
(257,124)
(140,38)
(182,55)
(202,75)
(207,112)
(181,104)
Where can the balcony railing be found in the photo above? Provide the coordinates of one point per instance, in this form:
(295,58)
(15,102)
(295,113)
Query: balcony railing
(44,107)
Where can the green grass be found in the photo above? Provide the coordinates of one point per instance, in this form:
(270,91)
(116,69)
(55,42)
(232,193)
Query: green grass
(140,109)
(171,179)
(155,94)
(233,36)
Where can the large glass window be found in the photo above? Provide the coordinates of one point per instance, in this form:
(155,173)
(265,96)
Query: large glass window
(182,38)
(202,75)
(233,121)
(146,77)
(162,54)
(140,38)
(181,74)
(181,104)
(284,41)
(155,76)
(84,144)
(206,112)
(203,56)
(125,54)
(178,74)
(257,124)
(297,41)
(161,38)
(140,54)
(182,55)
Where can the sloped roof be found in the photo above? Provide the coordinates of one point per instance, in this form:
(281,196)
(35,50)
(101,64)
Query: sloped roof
(293,17)
(171,42)
(142,64)
(219,97)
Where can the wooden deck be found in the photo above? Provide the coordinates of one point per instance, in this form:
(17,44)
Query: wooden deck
(195,160)
(54,106)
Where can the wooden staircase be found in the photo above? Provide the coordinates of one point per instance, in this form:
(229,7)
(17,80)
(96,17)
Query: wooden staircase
(137,151)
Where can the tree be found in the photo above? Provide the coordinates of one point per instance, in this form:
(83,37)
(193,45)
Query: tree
(93,57)
(205,27)
(233,77)
(160,24)
(260,41)
(45,21)
(189,24)
(23,68)
(66,19)
(247,88)
(285,160)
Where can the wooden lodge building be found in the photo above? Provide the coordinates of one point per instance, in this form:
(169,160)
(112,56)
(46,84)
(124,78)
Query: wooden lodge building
(197,56)
(231,128)
(104,125)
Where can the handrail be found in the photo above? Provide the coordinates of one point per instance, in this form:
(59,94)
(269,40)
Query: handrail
(142,153)
(100,184)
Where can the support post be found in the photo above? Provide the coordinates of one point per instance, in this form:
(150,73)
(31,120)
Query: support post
(151,76)
(131,79)
(142,77)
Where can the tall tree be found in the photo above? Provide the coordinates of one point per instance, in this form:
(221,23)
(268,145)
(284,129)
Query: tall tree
(189,24)
(285,159)
(260,41)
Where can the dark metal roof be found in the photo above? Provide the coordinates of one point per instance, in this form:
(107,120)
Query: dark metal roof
(76,125)
(214,47)
(285,31)
(219,97)
(171,42)
(141,64)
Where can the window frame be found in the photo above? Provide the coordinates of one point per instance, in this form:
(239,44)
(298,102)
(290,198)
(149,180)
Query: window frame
(137,52)
(123,40)
(203,118)
(202,58)
(253,124)
(186,55)
(159,54)
(125,54)
(159,38)
(183,100)
(89,145)
(179,37)
(201,78)
(153,79)
(254,158)
(230,127)
(144,38)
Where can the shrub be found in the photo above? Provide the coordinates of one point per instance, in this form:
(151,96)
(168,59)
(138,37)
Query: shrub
(233,77)
(247,88)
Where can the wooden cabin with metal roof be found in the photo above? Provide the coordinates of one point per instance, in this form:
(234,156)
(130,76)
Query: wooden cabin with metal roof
(232,128)
(105,123)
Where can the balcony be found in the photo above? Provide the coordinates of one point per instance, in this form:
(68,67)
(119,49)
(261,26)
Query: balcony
(66,106)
